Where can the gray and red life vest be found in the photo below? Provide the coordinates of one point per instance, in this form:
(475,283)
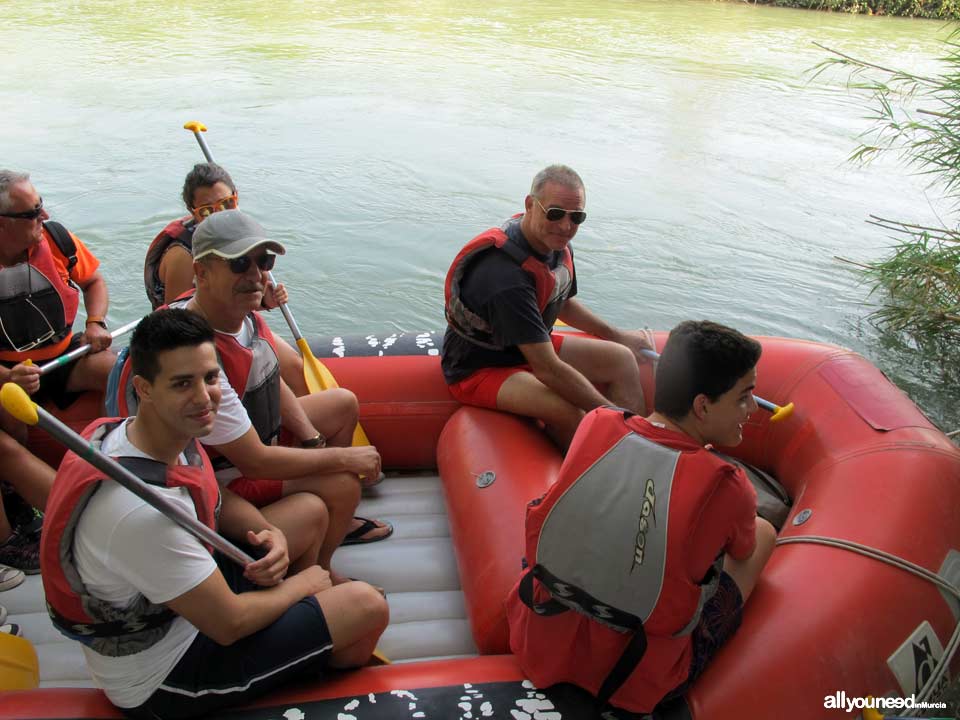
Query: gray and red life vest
(37,308)
(253,372)
(553,286)
(100,625)
(178,232)
(607,541)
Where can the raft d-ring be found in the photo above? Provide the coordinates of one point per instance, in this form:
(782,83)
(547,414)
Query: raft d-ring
(802,516)
(485,479)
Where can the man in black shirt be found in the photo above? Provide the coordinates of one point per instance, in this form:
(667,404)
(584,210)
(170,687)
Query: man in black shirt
(504,292)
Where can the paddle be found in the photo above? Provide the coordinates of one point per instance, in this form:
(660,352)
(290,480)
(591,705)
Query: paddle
(778,413)
(16,402)
(83,350)
(316,374)
(196,128)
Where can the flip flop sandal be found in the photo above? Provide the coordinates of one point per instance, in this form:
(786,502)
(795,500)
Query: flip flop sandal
(356,537)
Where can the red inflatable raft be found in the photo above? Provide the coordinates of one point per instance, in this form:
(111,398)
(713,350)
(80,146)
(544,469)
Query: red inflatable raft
(871,479)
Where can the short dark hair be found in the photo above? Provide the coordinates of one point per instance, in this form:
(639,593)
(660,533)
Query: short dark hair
(701,357)
(163,330)
(204,175)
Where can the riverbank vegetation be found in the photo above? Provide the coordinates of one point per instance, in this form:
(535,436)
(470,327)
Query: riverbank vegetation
(936,9)
(917,286)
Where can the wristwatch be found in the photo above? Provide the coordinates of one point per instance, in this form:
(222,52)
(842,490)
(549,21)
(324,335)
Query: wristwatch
(318,441)
(98,320)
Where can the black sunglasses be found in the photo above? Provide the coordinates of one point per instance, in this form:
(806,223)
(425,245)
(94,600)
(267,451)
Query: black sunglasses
(556,213)
(26,214)
(240,265)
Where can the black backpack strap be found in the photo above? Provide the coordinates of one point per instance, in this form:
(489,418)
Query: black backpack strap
(625,665)
(65,243)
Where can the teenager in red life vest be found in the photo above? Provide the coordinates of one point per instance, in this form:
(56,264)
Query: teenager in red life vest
(634,604)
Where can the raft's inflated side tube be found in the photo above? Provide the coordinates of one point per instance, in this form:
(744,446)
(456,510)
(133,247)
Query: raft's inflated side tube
(492,464)
(404,401)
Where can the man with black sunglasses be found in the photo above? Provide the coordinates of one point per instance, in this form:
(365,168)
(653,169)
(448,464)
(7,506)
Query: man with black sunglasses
(504,292)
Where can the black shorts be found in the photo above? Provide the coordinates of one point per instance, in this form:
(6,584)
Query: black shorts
(53,385)
(210,677)
(722,615)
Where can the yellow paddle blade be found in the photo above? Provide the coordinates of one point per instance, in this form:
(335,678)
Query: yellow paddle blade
(194,126)
(19,667)
(782,413)
(872,714)
(316,374)
(16,402)
(319,378)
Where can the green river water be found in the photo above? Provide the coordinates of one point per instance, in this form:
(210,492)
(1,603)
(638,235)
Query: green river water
(375,138)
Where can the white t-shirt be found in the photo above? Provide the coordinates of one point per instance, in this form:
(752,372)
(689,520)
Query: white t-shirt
(232,420)
(123,548)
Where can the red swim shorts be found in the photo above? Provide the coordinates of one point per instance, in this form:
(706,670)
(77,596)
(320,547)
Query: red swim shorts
(481,388)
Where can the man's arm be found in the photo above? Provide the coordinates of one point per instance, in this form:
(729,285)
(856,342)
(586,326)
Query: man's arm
(254,459)
(96,301)
(575,314)
(224,616)
(242,521)
(294,418)
(565,380)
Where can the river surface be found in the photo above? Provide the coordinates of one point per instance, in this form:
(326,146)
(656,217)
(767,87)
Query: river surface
(375,138)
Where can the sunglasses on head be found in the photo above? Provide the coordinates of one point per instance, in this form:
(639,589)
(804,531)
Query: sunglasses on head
(554,214)
(240,265)
(26,214)
(227,203)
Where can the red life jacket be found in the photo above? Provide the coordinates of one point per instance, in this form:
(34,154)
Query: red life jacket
(178,232)
(610,541)
(254,373)
(553,286)
(37,307)
(100,625)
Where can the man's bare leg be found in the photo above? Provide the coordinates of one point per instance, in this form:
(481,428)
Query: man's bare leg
(303,519)
(523,394)
(607,363)
(356,615)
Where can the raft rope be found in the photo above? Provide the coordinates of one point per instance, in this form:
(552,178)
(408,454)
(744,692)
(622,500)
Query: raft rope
(898,562)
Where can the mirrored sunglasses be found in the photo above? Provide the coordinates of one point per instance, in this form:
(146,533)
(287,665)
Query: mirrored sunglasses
(555,214)
(227,203)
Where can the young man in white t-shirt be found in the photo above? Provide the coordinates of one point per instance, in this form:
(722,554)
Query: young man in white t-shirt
(171,630)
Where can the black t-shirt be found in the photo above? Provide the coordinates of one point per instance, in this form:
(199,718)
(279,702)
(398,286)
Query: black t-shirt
(498,290)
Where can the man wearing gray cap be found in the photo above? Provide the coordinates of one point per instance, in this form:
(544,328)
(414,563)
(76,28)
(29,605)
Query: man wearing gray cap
(253,455)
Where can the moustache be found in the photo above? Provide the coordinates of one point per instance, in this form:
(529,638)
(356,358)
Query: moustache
(249,288)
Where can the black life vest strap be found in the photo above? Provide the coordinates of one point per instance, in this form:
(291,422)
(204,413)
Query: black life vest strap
(629,659)
(627,662)
(525,591)
(110,629)
(65,243)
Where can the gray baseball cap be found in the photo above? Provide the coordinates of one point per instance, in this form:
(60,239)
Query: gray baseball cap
(230,234)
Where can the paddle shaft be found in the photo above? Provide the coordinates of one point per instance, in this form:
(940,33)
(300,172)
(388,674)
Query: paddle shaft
(83,349)
(203,146)
(138,487)
(765,404)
